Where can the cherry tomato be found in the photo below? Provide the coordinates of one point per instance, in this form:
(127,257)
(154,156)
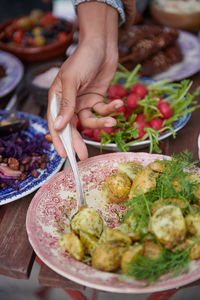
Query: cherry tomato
(62,36)
(18,36)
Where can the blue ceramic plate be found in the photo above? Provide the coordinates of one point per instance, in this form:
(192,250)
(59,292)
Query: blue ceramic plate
(36,126)
(14,72)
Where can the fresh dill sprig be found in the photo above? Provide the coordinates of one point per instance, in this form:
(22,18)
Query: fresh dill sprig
(176,172)
(145,268)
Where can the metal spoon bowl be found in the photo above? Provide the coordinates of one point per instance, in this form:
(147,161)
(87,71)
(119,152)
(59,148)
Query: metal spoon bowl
(12,123)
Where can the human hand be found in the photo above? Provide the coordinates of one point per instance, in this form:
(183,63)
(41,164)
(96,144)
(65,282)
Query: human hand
(84,78)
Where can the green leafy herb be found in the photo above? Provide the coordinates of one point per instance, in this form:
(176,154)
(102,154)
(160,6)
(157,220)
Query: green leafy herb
(176,94)
(144,268)
(175,170)
(140,208)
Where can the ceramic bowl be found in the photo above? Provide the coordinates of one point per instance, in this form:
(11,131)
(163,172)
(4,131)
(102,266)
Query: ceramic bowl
(40,93)
(42,53)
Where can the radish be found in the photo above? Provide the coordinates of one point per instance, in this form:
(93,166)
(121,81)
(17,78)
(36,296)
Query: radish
(140,126)
(165,109)
(140,117)
(127,115)
(87,132)
(140,90)
(122,109)
(116,91)
(156,123)
(97,132)
(132,101)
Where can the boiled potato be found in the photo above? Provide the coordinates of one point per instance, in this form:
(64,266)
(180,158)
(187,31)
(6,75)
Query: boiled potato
(151,249)
(106,257)
(114,236)
(133,234)
(195,251)
(87,220)
(130,168)
(117,187)
(143,182)
(129,227)
(157,166)
(72,244)
(89,241)
(195,178)
(174,201)
(182,245)
(193,224)
(130,255)
(168,225)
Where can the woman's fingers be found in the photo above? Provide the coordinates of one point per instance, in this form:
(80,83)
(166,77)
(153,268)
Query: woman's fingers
(88,120)
(78,142)
(104,109)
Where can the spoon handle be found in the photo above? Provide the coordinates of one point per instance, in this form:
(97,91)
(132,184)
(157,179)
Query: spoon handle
(66,138)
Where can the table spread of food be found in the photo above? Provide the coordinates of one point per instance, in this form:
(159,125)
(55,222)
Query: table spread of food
(140,229)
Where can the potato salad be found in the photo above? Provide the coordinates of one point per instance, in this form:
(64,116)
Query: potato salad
(159,232)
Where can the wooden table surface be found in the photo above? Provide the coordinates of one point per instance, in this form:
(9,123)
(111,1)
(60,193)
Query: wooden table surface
(16,254)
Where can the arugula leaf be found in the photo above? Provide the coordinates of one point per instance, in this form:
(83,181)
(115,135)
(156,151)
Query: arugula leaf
(176,94)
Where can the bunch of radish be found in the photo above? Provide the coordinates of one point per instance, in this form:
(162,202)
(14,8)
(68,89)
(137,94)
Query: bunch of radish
(149,110)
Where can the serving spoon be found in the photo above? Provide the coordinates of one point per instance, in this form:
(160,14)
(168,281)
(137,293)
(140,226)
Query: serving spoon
(66,138)
(12,123)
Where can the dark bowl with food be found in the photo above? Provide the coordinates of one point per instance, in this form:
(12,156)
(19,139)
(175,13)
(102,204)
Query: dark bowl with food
(36,40)
(39,80)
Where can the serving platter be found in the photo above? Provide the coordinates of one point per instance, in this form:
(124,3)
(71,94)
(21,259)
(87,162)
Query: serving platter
(36,126)
(57,197)
(190,47)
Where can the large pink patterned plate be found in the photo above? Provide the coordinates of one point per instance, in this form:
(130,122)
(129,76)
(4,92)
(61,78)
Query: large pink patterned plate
(57,197)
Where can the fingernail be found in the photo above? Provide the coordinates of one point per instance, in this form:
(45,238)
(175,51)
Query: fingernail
(110,123)
(58,122)
(119,105)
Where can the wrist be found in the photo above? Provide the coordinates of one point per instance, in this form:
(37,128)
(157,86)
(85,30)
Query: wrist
(92,20)
(96,21)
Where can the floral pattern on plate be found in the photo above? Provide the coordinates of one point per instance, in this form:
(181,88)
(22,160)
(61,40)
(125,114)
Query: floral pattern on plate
(57,197)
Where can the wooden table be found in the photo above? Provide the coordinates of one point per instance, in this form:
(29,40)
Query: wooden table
(16,254)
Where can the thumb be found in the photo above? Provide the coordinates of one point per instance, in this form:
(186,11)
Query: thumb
(67,105)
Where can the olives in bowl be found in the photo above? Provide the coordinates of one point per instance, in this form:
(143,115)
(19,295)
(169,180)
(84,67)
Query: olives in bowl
(37,36)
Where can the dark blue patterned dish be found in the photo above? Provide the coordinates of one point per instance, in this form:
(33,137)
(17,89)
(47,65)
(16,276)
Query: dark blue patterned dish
(14,72)
(36,126)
